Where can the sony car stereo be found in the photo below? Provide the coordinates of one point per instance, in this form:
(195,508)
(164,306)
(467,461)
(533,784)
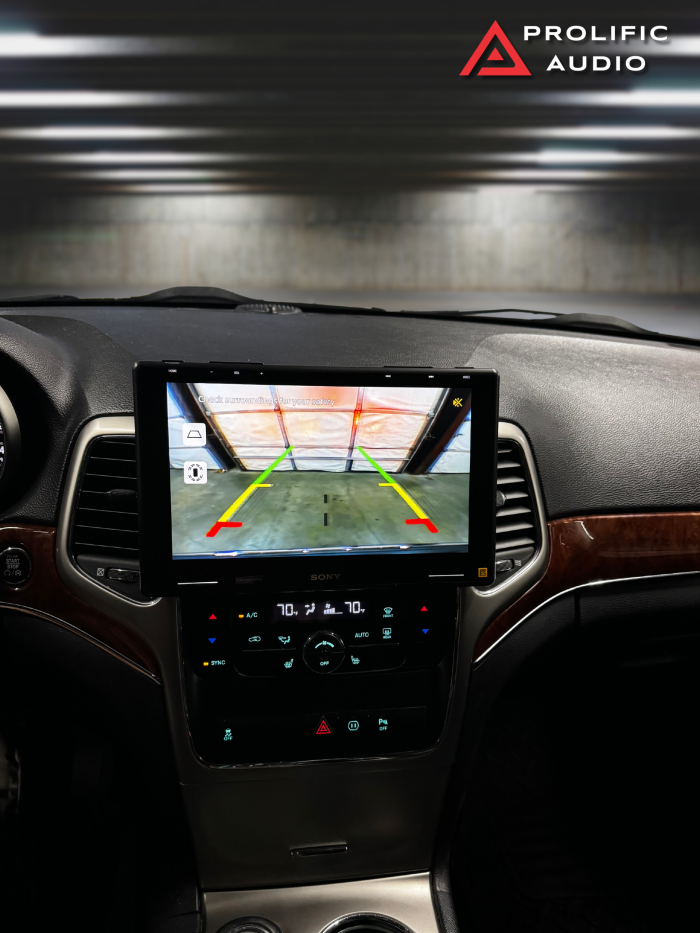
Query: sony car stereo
(254,476)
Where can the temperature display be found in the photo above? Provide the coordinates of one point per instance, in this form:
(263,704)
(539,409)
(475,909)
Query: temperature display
(321,610)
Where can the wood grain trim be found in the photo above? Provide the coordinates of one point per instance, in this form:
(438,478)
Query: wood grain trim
(596,548)
(47,596)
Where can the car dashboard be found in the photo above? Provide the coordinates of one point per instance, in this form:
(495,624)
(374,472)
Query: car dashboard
(302,794)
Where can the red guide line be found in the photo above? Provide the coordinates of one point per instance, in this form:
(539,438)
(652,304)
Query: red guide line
(422,521)
(217,526)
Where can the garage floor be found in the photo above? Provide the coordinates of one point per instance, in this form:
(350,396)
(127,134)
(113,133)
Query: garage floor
(317,510)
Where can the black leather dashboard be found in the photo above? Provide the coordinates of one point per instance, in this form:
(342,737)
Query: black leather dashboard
(614,423)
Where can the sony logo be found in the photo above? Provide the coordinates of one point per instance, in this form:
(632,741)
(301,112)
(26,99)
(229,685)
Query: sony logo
(325,576)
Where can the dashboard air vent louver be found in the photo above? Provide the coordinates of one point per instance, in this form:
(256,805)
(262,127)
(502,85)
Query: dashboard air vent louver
(104,539)
(517,525)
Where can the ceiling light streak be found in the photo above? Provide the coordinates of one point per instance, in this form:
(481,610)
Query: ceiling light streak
(100,99)
(593,132)
(148,174)
(590,156)
(112,132)
(33,45)
(637,97)
(139,158)
(551,174)
(155,188)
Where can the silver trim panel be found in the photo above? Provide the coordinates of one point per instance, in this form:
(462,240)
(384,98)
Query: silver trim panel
(583,586)
(68,570)
(313,908)
(155,621)
(536,567)
(47,617)
(483,604)
(367,918)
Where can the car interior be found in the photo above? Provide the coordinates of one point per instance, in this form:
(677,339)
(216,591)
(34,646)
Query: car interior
(318,616)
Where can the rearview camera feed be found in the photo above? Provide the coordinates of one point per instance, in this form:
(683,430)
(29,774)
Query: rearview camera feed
(269,470)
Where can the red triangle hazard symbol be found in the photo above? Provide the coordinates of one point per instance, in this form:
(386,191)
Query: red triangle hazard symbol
(495,56)
(424,609)
(519,68)
(324,728)
(212,616)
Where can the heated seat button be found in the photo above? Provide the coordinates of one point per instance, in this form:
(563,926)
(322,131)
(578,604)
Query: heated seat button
(373,658)
(267,663)
(324,652)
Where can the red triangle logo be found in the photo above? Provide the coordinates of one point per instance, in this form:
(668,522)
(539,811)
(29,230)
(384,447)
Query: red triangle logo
(424,609)
(324,728)
(212,616)
(519,68)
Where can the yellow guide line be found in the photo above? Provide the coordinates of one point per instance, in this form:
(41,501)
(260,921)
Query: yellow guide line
(241,499)
(405,496)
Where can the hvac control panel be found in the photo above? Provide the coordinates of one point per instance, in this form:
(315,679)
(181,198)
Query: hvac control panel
(306,676)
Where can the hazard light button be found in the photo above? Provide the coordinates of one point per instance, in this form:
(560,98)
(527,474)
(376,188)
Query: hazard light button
(323,727)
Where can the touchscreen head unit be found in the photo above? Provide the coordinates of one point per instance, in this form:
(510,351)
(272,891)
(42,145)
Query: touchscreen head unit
(252,475)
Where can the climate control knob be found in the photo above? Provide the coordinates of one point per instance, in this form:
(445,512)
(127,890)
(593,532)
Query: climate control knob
(324,652)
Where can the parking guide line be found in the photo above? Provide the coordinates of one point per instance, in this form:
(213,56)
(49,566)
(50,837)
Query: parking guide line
(405,496)
(422,517)
(224,521)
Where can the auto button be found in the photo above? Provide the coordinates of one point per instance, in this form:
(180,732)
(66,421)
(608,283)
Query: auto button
(324,652)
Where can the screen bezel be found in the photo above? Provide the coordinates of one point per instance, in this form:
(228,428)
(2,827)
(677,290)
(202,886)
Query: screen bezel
(161,575)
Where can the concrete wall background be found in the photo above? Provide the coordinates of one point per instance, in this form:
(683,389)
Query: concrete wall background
(496,238)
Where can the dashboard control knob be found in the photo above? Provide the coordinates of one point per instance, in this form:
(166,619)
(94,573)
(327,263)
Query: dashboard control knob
(15,566)
(324,652)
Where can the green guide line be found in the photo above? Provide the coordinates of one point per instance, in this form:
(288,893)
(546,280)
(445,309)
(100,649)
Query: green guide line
(376,466)
(269,470)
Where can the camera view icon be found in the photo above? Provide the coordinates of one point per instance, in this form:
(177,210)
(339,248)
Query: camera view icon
(195,472)
(194,434)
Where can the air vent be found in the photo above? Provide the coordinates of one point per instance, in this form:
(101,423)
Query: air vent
(517,526)
(104,536)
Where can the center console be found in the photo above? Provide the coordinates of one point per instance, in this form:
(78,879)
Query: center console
(320,531)
(294,676)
